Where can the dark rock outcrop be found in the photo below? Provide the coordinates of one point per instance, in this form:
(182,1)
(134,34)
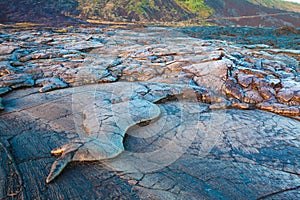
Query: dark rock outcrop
(228,124)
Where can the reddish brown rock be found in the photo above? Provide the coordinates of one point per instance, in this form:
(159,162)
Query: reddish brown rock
(244,79)
(238,105)
(252,97)
(293,103)
(259,82)
(266,92)
(232,89)
(285,95)
(279,108)
(297,96)
(256,72)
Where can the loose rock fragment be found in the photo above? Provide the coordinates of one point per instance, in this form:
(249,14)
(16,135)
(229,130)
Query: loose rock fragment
(244,79)
(285,95)
(221,105)
(266,92)
(297,96)
(238,105)
(232,89)
(274,82)
(252,97)
(50,84)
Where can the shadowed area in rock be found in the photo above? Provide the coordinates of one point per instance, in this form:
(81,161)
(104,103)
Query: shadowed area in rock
(105,134)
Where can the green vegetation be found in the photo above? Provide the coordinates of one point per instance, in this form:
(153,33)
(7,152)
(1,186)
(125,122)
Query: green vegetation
(197,7)
(132,10)
(140,6)
(149,10)
(147,4)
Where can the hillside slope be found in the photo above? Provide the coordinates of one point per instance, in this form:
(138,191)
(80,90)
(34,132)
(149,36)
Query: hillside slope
(43,11)
(278,4)
(221,12)
(260,13)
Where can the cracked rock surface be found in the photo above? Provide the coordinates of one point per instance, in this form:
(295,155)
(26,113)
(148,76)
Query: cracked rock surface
(228,125)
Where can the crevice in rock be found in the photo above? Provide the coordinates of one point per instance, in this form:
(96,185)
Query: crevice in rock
(278,192)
